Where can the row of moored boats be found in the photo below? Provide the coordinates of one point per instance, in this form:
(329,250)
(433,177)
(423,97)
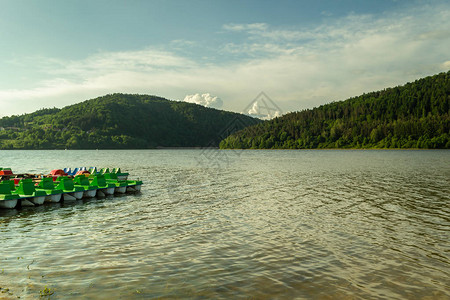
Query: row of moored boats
(17,190)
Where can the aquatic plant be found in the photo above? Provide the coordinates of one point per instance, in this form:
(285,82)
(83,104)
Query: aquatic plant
(46,292)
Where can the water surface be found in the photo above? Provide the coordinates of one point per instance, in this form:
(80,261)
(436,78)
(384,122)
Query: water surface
(237,224)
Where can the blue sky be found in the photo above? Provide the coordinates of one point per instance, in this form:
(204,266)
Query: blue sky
(300,53)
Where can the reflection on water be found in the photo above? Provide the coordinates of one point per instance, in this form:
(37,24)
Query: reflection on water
(267,224)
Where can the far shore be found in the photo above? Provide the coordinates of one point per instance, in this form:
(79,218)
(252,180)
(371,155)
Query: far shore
(217,148)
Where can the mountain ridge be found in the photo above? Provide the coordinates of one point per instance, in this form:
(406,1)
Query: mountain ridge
(415,115)
(121,121)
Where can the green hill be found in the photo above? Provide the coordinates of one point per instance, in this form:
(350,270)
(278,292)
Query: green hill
(120,121)
(415,115)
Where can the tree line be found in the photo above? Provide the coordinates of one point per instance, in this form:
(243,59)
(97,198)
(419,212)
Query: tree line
(415,115)
(121,121)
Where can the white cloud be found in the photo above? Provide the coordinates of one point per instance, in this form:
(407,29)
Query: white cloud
(446,65)
(298,68)
(263,30)
(254,109)
(205,100)
(254,27)
(148,60)
(263,108)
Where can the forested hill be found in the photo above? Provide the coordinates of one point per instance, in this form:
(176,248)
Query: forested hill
(121,121)
(415,115)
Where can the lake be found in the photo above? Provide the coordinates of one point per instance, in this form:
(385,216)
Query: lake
(307,224)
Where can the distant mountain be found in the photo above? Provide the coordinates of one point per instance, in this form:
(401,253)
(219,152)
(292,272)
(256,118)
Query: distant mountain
(120,121)
(415,115)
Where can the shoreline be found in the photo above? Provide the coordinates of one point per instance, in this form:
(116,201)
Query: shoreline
(217,148)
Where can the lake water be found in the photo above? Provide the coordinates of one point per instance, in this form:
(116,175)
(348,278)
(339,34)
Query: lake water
(237,224)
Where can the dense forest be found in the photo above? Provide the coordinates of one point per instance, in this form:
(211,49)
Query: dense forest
(415,115)
(120,121)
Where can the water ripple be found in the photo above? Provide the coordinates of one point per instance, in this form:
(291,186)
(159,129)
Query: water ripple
(270,225)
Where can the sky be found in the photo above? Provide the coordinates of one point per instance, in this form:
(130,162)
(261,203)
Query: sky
(221,54)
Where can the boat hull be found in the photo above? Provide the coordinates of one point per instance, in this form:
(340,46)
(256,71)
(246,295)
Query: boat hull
(55,198)
(90,193)
(39,200)
(69,197)
(120,190)
(8,203)
(108,191)
(77,195)
(26,202)
(131,189)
